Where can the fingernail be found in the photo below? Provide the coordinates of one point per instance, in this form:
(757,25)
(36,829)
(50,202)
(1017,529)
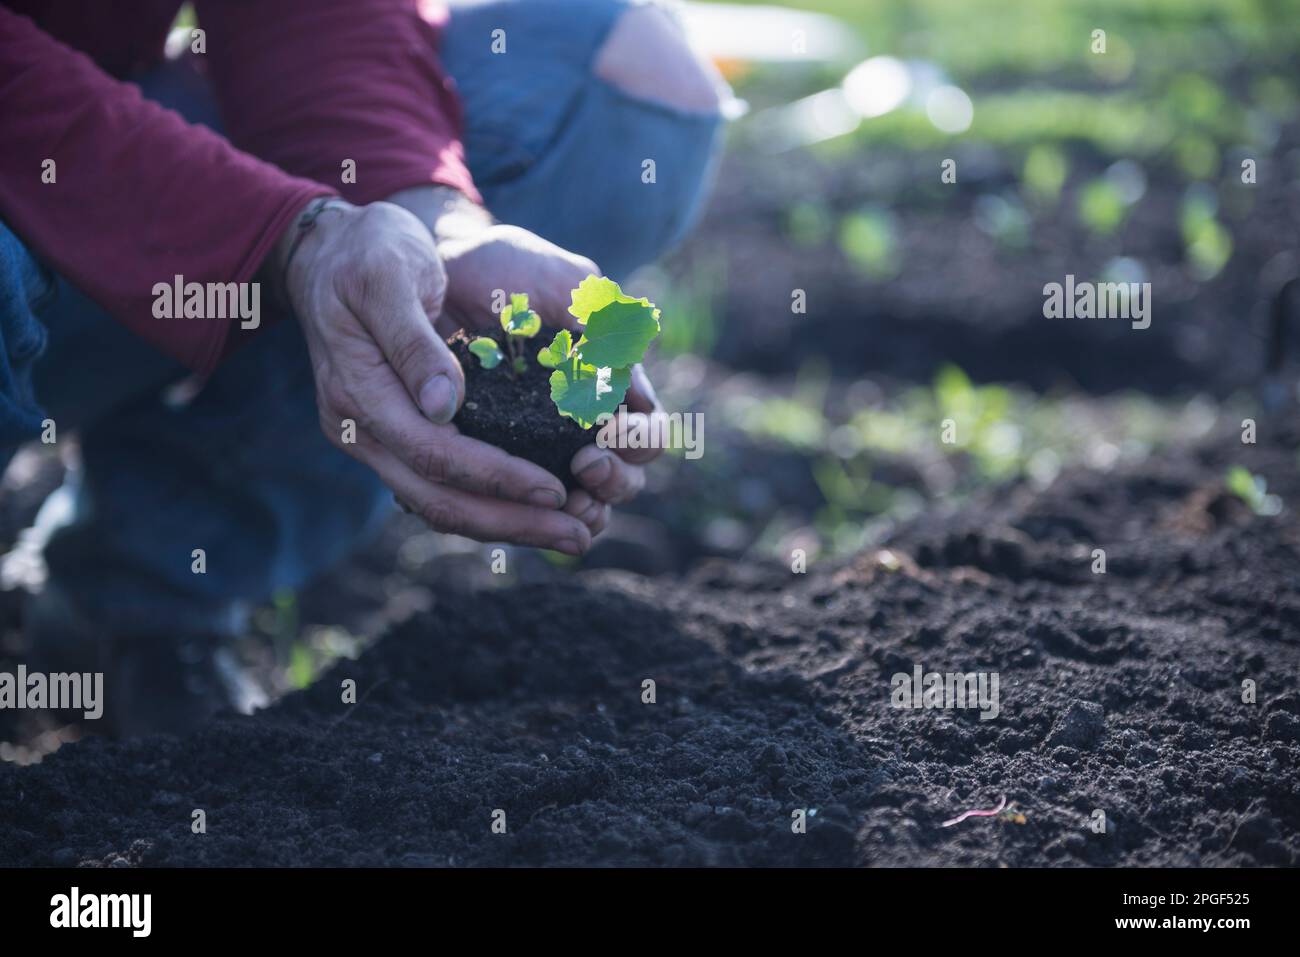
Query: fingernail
(597,471)
(546,498)
(438,399)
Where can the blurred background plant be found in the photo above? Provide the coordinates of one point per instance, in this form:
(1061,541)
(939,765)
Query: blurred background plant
(1104,139)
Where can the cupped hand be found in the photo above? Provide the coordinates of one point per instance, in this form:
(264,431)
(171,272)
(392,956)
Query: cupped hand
(485,261)
(367,286)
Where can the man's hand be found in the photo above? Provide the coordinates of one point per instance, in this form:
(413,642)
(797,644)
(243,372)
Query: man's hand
(482,256)
(367,286)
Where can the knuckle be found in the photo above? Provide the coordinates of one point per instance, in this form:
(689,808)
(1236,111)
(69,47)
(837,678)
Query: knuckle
(334,395)
(408,353)
(442,514)
(630,485)
(482,477)
(497,484)
(493,487)
(431,464)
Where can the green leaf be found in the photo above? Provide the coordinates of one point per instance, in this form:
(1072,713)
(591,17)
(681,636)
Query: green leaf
(589,393)
(301,667)
(595,293)
(526,324)
(557,352)
(618,330)
(617,334)
(1243,484)
(518,320)
(489,354)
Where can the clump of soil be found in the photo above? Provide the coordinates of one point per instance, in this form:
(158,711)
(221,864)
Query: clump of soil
(515,412)
(1120,692)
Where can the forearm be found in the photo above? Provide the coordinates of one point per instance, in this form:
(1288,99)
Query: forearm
(118,194)
(345,92)
(446,212)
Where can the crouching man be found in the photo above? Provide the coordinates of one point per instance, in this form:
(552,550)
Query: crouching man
(378,168)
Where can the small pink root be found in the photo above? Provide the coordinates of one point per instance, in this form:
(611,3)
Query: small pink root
(965,814)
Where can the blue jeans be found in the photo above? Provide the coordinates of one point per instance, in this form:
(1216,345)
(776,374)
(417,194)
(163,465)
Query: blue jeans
(242,469)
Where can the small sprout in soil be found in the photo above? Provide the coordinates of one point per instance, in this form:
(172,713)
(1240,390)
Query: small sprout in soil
(489,354)
(518,322)
(1253,490)
(593,373)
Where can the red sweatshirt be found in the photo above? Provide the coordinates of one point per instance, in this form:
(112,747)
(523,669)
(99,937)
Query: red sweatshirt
(141,196)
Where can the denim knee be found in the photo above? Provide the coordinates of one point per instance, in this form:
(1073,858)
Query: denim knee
(241,470)
(25,287)
(563,152)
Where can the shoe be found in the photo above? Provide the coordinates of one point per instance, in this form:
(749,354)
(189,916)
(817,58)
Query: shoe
(164,684)
(152,683)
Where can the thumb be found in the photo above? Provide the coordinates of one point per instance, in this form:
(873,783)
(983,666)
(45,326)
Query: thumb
(426,367)
(395,302)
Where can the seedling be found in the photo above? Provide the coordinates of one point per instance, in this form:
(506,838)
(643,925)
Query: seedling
(592,372)
(518,322)
(1253,490)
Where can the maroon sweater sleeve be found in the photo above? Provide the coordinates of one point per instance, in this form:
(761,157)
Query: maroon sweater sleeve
(139,195)
(311,84)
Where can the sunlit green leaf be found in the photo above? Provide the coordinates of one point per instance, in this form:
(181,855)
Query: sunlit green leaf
(558,351)
(489,354)
(595,293)
(518,320)
(589,393)
(525,324)
(301,668)
(618,334)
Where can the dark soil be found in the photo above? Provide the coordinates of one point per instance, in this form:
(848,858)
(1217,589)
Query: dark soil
(1119,692)
(515,412)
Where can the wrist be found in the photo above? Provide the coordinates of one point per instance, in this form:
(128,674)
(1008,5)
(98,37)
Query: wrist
(446,212)
(293,249)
